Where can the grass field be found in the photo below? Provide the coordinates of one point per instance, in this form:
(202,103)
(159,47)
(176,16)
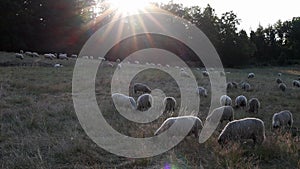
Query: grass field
(39,127)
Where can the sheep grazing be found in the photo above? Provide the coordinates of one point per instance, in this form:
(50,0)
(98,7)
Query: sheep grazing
(74,56)
(225,100)
(169,104)
(229,85)
(251,75)
(63,56)
(283,118)
(278,81)
(254,105)
(101,58)
(282,87)
(205,73)
(182,121)
(226,111)
(296,83)
(35,54)
(144,102)
(202,91)
(57,65)
(28,53)
(19,56)
(141,88)
(247,128)
(241,101)
(246,86)
(124,101)
(49,56)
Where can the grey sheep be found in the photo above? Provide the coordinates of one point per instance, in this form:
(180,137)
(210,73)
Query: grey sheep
(278,81)
(225,100)
(169,104)
(247,128)
(141,88)
(282,87)
(241,101)
(254,105)
(183,121)
(226,111)
(283,118)
(202,91)
(144,102)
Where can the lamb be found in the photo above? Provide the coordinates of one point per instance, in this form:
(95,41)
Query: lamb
(225,100)
(251,75)
(182,121)
(241,101)
(19,56)
(283,118)
(282,87)
(296,83)
(144,102)
(246,86)
(63,56)
(202,91)
(169,104)
(278,81)
(141,88)
(254,105)
(226,111)
(247,128)
(124,101)
(183,73)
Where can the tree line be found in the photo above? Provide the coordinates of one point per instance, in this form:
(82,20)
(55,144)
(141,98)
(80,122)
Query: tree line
(65,25)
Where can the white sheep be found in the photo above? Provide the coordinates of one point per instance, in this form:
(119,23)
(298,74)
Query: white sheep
(63,56)
(246,86)
(182,122)
(35,54)
(141,88)
(119,66)
(91,57)
(49,56)
(74,56)
(239,130)
(136,62)
(241,101)
(283,118)
(279,74)
(118,60)
(226,111)
(167,66)
(169,104)
(225,100)
(57,65)
(28,53)
(296,83)
(205,73)
(202,91)
(124,101)
(254,105)
(144,102)
(251,75)
(282,87)
(19,56)
(183,73)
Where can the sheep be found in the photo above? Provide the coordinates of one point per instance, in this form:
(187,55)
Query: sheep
(101,58)
(91,57)
(183,73)
(202,91)
(19,56)
(182,121)
(283,118)
(57,65)
(296,83)
(35,54)
(28,53)
(235,84)
(144,102)
(246,86)
(159,65)
(254,105)
(278,81)
(282,87)
(226,111)
(141,88)
(74,56)
(177,67)
(63,56)
(279,74)
(205,73)
(241,101)
(225,100)
(119,66)
(118,60)
(167,66)
(49,56)
(124,101)
(169,104)
(246,128)
(251,75)
(21,51)
(136,62)
(229,86)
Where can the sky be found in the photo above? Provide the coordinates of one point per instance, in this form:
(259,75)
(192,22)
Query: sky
(251,12)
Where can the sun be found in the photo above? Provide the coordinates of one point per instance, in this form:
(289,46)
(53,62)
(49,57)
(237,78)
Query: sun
(128,7)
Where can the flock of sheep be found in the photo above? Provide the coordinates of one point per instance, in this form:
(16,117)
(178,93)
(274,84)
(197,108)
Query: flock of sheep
(235,130)
(21,55)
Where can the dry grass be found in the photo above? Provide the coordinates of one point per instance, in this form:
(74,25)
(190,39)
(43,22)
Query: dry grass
(39,127)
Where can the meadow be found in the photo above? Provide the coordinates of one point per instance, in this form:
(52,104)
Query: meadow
(39,127)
